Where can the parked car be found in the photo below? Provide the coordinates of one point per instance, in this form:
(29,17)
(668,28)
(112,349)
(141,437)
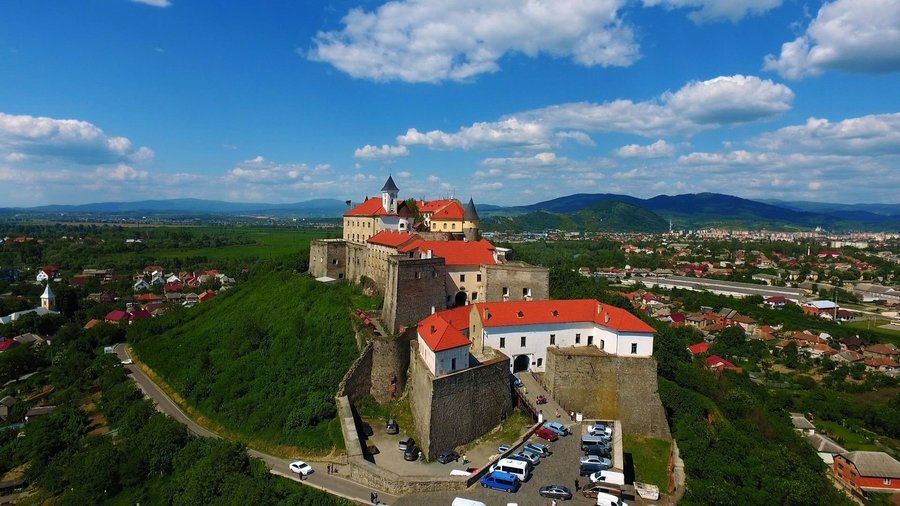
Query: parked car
(499,480)
(534,458)
(604,499)
(589,469)
(538,448)
(601,451)
(448,456)
(391,427)
(412,452)
(301,468)
(555,492)
(597,459)
(127,361)
(608,477)
(406,443)
(557,427)
(517,382)
(503,448)
(545,433)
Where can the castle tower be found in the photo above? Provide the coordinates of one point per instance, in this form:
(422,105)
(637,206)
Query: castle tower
(48,300)
(471,223)
(389,195)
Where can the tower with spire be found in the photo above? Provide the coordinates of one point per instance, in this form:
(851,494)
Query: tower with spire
(48,300)
(389,195)
(471,222)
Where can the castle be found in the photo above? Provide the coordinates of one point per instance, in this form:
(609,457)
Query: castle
(423,256)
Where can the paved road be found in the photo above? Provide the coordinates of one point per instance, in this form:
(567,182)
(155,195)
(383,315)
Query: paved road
(330,483)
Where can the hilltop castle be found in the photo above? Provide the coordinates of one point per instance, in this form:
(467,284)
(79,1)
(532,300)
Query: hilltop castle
(423,256)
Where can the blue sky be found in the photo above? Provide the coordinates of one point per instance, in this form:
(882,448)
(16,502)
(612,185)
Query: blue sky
(509,101)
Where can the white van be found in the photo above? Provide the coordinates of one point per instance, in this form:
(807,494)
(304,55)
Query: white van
(517,468)
(462,501)
(604,499)
(608,477)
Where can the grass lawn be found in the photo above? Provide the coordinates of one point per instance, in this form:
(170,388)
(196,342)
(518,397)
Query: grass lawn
(846,437)
(886,335)
(651,459)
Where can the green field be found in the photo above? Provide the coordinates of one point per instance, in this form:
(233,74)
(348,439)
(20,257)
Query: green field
(651,459)
(873,326)
(850,440)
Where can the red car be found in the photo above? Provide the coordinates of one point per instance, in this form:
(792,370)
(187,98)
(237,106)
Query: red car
(545,433)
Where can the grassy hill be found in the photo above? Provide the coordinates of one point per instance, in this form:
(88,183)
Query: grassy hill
(604,216)
(263,360)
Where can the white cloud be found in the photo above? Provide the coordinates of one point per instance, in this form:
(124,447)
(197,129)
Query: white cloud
(66,140)
(437,40)
(703,11)
(850,35)
(121,172)
(261,171)
(385,152)
(866,135)
(658,149)
(488,186)
(154,3)
(697,106)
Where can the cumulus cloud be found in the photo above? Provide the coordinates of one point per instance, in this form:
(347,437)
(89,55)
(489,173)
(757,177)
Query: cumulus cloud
(385,152)
(867,135)
(850,35)
(436,40)
(658,149)
(261,171)
(67,140)
(121,172)
(699,105)
(703,11)
(154,3)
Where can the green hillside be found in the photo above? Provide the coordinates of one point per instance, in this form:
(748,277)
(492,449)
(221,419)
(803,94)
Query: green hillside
(606,216)
(263,360)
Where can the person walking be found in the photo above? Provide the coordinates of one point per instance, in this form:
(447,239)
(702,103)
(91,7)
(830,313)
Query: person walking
(557,412)
(577,485)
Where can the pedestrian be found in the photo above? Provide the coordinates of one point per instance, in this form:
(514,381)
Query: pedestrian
(376,498)
(557,412)
(577,485)
(572,415)
(465,459)
(372,497)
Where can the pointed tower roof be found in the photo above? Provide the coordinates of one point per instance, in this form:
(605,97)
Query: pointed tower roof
(471,214)
(389,185)
(48,293)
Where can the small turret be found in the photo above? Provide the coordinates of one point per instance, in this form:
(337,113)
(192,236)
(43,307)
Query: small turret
(471,222)
(389,195)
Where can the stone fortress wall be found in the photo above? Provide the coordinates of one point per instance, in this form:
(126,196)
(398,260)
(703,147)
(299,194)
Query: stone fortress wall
(414,286)
(328,257)
(608,387)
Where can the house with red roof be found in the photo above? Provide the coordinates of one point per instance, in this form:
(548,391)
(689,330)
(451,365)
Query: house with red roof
(6,344)
(882,365)
(444,342)
(698,349)
(116,316)
(524,330)
(205,296)
(716,363)
(47,273)
(140,314)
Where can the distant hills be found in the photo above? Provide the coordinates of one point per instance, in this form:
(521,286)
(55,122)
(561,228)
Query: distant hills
(587,212)
(317,208)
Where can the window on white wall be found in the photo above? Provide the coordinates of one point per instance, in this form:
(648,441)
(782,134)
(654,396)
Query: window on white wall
(590,340)
(577,338)
(540,362)
(523,341)
(552,339)
(633,348)
(502,342)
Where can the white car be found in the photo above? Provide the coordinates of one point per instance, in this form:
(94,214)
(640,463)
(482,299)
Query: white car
(608,477)
(301,467)
(604,499)
(127,361)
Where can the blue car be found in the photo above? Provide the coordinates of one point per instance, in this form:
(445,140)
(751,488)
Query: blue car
(498,480)
(557,427)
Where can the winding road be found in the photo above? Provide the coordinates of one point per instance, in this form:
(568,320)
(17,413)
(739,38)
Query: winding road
(331,483)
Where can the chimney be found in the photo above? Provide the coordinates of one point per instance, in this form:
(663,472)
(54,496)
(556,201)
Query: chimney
(432,309)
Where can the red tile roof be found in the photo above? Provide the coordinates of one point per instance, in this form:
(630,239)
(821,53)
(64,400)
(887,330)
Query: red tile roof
(882,349)
(139,314)
(717,362)
(560,311)
(93,323)
(116,316)
(699,348)
(432,206)
(391,239)
(442,331)
(881,362)
(6,344)
(371,207)
(452,211)
(460,252)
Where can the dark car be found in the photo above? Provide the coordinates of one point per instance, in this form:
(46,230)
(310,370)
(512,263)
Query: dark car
(391,427)
(406,443)
(556,492)
(589,469)
(412,452)
(448,456)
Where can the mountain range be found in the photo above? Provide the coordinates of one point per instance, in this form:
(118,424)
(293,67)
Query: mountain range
(578,212)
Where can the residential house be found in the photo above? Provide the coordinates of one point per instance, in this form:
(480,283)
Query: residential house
(140,314)
(716,363)
(205,296)
(698,349)
(854,343)
(745,322)
(141,285)
(825,447)
(6,405)
(822,308)
(847,357)
(868,472)
(802,424)
(46,273)
(6,344)
(30,339)
(882,351)
(116,316)
(819,350)
(764,333)
(93,323)
(39,411)
(882,365)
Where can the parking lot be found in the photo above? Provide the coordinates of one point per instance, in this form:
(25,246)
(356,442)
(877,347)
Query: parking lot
(561,468)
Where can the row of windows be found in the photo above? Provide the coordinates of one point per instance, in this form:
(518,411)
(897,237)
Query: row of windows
(358,223)
(526,292)
(462,278)
(590,341)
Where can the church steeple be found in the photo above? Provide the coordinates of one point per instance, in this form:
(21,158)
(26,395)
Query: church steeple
(389,195)
(48,300)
